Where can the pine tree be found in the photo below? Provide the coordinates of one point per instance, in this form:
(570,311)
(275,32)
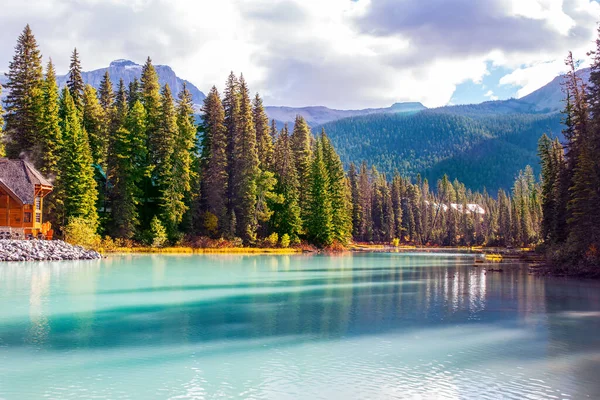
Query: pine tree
(273,132)
(286,217)
(185,144)
(397,205)
(388,219)
(133,92)
(130,154)
(171,204)
(231,107)
(266,199)
(550,173)
(118,116)
(409,225)
(341,211)
(150,98)
(355,194)
(106,98)
(584,231)
(264,140)
(2,147)
(75,80)
(376,204)
(50,142)
(93,122)
(215,177)
(319,213)
(365,200)
(245,169)
(106,95)
(301,146)
(77,173)
(23,102)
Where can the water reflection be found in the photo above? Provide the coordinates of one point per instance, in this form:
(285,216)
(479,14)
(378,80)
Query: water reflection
(250,296)
(433,323)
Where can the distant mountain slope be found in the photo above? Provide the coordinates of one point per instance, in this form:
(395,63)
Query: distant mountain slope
(550,97)
(128,71)
(482,151)
(320,115)
(483,145)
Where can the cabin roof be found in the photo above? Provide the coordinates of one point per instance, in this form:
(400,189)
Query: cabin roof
(20,177)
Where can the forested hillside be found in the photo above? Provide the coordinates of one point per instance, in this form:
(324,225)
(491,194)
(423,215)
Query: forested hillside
(481,149)
(133,165)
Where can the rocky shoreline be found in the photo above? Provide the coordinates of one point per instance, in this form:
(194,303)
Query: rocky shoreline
(43,250)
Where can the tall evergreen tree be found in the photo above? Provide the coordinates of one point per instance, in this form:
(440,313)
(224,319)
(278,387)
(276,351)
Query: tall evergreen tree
(245,169)
(106,98)
(319,212)
(75,80)
(232,111)
(366,205)
(93,122)
(273,131)
(106,95)
(117,121)
(355,195)
(301,146)
(397,205)
(133,92)
(286,218)
(50,142)
(215,177)
(130,154)
(77,173)
(341,210)
(185,144)
(25,92)
(49,146)
(584,192)
(150,98)
(264,140)
(172,206)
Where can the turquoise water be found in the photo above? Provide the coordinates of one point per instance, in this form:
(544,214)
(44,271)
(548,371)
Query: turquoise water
(353,326)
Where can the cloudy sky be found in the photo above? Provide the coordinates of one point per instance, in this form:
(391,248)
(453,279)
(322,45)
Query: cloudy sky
(338,53)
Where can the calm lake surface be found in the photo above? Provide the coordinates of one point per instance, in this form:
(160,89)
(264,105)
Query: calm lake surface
(352,326)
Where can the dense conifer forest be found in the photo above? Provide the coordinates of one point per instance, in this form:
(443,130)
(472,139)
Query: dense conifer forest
(482,148)
(571,177)
(133,164)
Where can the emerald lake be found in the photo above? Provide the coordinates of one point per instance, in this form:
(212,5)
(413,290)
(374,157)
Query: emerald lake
(349,326)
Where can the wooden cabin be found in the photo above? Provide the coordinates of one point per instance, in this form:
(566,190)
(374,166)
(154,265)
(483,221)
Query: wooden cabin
(22,192)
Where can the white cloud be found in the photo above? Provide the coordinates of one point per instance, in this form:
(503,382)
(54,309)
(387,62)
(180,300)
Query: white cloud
(307,52)
(490,95)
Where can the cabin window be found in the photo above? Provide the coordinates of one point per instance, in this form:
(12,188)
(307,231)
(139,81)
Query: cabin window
(38,217)
(38,203)
(27,217)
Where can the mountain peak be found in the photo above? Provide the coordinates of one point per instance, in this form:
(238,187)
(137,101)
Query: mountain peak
(407,106)
(122,63)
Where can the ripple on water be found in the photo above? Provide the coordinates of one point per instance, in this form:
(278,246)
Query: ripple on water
(349,327)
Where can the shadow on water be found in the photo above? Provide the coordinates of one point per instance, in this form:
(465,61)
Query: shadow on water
(311,304)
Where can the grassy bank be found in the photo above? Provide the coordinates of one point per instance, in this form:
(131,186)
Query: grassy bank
(191,250)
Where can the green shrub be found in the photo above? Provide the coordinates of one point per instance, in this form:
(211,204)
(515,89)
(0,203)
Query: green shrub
(158,233)
(285,241)
(81,232)
(211,224)
(272,239)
